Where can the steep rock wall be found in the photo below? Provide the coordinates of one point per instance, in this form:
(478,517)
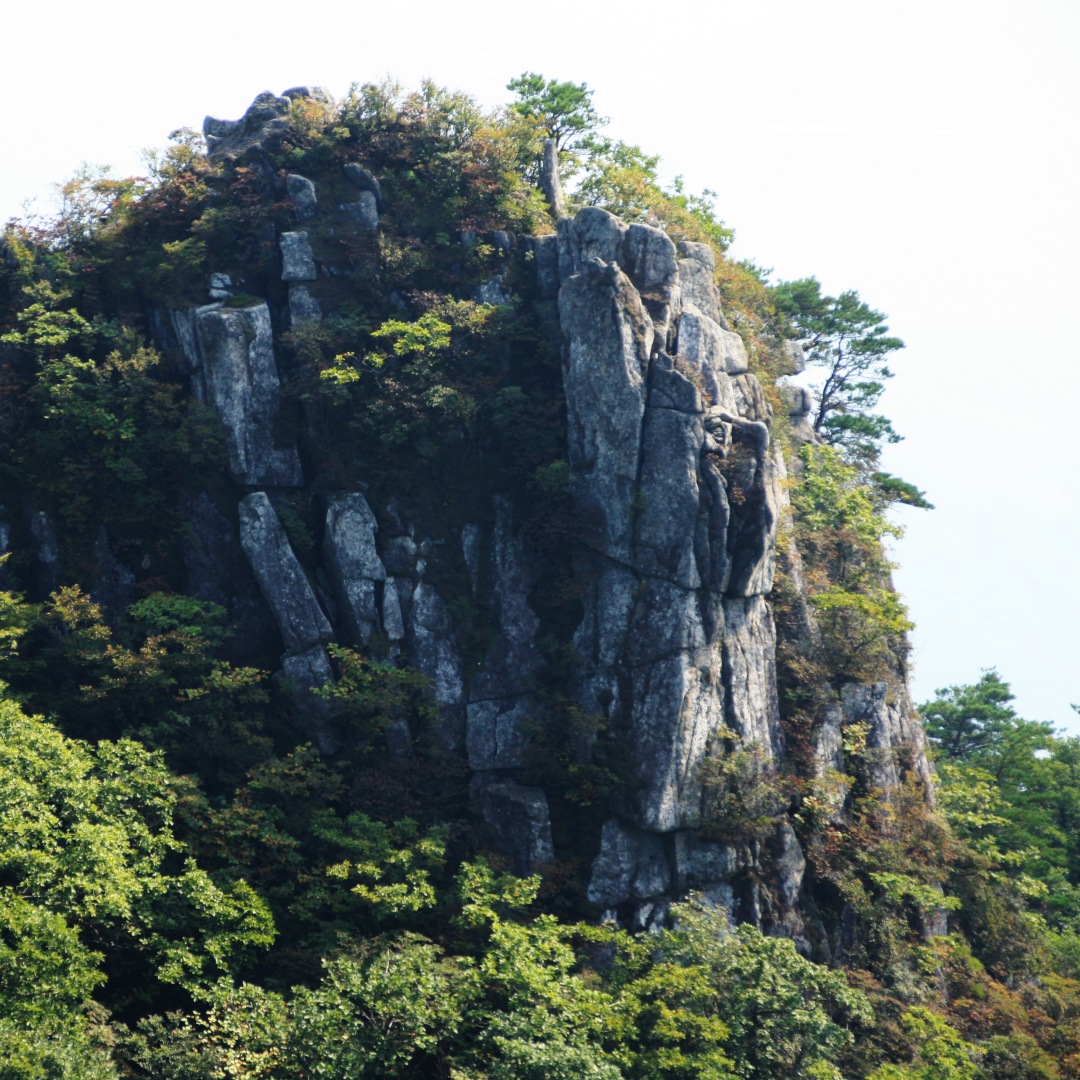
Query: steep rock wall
(673,464)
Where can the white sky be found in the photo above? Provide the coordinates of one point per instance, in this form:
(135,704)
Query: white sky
(924,153)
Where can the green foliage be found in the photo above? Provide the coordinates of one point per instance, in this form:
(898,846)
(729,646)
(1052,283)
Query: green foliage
(562,110)
(99,435)
(840,527)
(971,723)
(625,181)
(786,1015)
(152,860)
(941,1053)
(1011,789)
(851,342)
(86,832)
(41,1052)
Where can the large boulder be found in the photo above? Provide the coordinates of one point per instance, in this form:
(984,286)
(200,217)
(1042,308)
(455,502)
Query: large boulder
(297,262)
(353,564)
(233,349)
(367,183)
(301,192)
(631,865)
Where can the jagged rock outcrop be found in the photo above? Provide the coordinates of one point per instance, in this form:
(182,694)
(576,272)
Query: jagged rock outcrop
(353,564)
(261,128)
(673,466)
(304,626)
(229,354)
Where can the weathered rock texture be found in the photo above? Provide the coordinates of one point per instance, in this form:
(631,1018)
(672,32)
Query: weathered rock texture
(671,456)
(674,470)
(304,626)
(229,353)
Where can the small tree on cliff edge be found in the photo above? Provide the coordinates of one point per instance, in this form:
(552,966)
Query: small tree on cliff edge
(850,341)
(562,109)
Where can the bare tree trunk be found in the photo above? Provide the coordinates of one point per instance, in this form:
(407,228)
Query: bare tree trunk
(549,179)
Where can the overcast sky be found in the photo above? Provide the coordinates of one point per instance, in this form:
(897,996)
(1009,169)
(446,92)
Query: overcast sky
(924,153)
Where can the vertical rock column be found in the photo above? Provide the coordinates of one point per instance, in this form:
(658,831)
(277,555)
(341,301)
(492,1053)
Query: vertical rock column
(304,628)
(671,465)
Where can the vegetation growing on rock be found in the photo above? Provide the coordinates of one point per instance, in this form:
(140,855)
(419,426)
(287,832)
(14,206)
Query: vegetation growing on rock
(191,889)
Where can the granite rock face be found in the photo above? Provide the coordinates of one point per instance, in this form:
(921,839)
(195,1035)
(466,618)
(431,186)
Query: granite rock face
(297,262)
(353,565)
(304,627)
(519,815)
(301,192)
(671,459)
(675,562)
(498,700)
(280,576)
(230,355)
(680,494)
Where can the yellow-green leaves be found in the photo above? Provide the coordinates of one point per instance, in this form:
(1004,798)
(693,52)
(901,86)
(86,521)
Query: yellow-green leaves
(395,861)
(427,334)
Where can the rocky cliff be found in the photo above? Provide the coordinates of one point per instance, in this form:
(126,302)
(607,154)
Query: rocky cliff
(678,474)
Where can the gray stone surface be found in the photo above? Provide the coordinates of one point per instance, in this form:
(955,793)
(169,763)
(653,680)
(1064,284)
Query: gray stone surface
(521,821)
(800,402)
(498,692)
(697,266)
(392,618)
(366,182)
(260,129)
(797,357)
(752,708)
(632,865)
(609,336)
(236,350)
(702,864)
(353,565)
(316,93)
(545,251)
(301,192)
(363,210)
(433,650)
(280,576)
(304,309)
(297,262)
(895,739)
(491,292)
(493,735)
(712,349)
